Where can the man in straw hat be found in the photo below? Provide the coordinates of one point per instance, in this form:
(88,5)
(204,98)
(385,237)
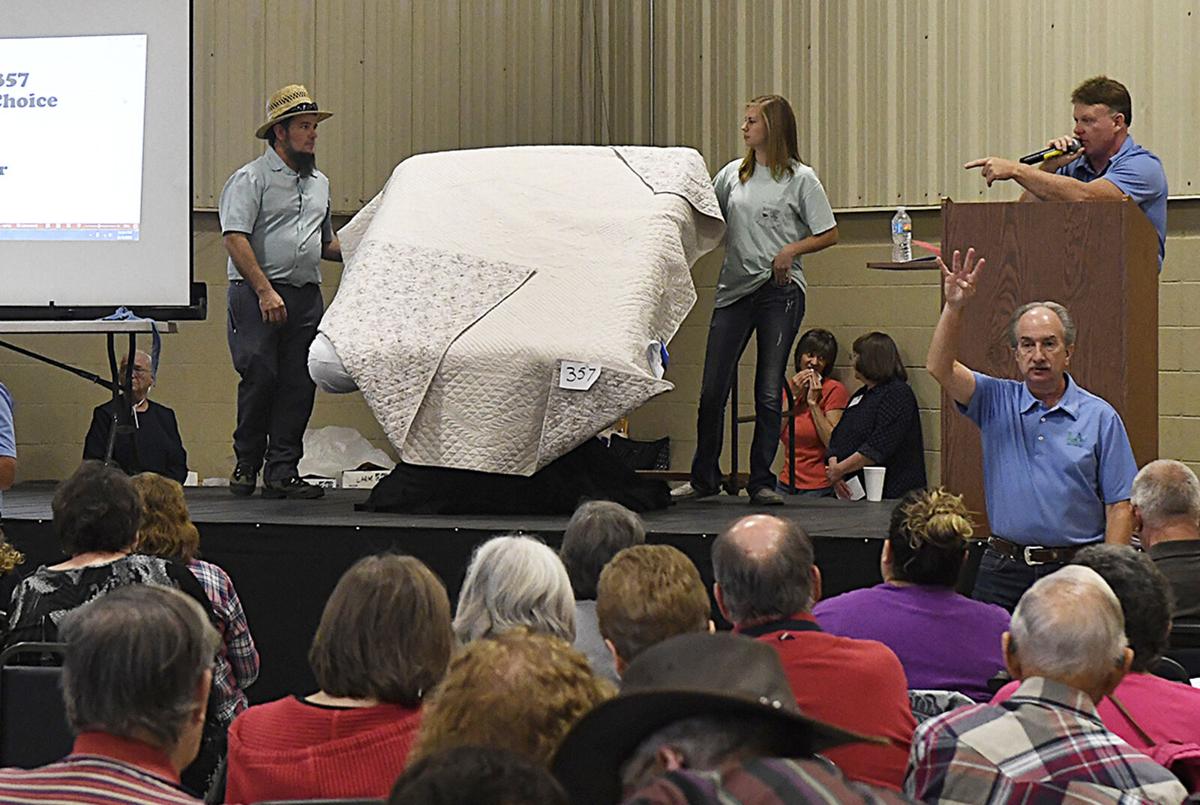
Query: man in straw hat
(702,712)
(277,228)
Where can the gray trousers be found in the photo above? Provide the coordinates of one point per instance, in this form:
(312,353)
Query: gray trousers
(275,395)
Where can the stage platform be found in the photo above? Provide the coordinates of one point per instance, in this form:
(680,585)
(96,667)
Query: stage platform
(285,556)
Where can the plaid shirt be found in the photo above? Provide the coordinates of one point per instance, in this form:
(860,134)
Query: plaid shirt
(1046,738)
(762,781)
(237,664)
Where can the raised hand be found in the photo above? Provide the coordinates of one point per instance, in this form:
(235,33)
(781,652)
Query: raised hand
(958,281)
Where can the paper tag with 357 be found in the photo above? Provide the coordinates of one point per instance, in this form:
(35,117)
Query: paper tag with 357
(577,376)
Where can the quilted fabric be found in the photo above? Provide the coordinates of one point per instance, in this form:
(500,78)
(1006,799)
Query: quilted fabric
(474,274)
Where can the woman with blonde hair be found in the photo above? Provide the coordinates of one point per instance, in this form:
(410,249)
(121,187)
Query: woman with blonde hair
(775,211)
(944,640)
(167,530)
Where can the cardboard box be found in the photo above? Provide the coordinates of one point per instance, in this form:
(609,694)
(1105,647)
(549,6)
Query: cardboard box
(322,481)
(362,479)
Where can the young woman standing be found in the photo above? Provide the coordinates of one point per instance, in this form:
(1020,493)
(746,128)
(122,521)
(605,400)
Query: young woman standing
(775,211)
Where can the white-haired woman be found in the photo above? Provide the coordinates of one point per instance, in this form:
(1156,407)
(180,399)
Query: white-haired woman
(512,581)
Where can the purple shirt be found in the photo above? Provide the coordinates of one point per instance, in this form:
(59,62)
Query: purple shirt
(944,640)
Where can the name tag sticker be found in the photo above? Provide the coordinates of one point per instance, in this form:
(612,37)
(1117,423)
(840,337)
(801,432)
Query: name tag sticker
(577,376)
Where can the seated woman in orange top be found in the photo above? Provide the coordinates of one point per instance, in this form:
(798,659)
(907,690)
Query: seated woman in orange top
(820,401)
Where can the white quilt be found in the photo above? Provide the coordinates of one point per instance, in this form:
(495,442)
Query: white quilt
(474,274)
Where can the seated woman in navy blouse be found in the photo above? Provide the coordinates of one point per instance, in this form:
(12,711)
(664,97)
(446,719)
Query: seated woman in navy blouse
(944,640)
(880,426)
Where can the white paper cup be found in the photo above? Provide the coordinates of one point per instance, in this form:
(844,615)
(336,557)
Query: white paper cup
(873,478)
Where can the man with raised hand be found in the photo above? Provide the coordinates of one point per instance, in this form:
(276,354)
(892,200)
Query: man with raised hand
(1057,464)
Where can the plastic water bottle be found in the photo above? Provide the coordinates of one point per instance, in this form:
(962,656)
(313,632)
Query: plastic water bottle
(901,236)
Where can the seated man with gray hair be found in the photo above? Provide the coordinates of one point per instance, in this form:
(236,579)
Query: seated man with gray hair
(706,718)
(597,531)
(136,678)
(1067,645)
(1166,516)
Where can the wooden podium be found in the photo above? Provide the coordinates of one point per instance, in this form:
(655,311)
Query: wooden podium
(1100,260)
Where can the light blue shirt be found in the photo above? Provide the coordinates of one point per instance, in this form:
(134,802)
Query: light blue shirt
(1049,472)
(8,439)
(1138,174)
(285,215)
(762,216)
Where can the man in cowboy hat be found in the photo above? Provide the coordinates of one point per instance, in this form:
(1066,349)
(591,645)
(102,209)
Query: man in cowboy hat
(701,710)
(277,228)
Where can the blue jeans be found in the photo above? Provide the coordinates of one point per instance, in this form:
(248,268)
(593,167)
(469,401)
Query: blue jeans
(773,312)
(1003,580)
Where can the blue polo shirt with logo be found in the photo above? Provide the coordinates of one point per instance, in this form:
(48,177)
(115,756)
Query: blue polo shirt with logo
(1049,472)
(1138,174)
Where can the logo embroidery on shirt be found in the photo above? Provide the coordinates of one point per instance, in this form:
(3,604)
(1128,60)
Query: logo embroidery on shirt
(1075,440)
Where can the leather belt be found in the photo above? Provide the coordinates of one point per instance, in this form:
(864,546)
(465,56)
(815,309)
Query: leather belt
(1032,555)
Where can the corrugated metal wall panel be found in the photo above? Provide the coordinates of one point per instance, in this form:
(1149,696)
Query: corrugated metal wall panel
(338,85)
(891,97)
(387,135)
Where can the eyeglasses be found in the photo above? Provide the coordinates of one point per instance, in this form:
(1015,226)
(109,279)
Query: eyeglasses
(302,107)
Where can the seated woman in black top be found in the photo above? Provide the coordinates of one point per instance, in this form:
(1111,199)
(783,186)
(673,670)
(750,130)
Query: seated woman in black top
(154,446)
(96,516)
(880,426)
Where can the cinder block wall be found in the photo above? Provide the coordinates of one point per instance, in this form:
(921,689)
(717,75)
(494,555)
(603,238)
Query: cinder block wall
(849,299)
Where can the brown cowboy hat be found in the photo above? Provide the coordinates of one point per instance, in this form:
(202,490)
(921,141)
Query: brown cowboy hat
(290,101)
(684,676)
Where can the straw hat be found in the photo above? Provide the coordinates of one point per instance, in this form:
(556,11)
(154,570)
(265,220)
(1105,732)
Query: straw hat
(290,101)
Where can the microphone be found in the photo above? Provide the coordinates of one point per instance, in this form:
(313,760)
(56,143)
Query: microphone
(1049,153)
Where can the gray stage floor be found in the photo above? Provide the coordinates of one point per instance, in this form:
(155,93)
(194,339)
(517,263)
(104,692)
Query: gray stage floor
(824,517)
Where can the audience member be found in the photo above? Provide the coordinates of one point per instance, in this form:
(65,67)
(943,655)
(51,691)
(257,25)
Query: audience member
(519,690)
(1057,465)
(96,517)
(648,593)
(167,530)
(477,775)
(880,426)
(944,640)
(694,703)
(136,677)
(154,445)
(1144,710)
(766,585)
(762,781)
(819,402)
(383,642)
(8,444)
(514,581)
(595,533)
(1067,646)
(1166,516)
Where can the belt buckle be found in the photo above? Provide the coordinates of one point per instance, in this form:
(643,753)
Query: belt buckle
(1028,555)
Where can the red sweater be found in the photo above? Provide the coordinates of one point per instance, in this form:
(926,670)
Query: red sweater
(858,685)
(290,749)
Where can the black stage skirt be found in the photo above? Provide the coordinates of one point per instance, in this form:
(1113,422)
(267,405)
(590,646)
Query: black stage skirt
(589,472)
